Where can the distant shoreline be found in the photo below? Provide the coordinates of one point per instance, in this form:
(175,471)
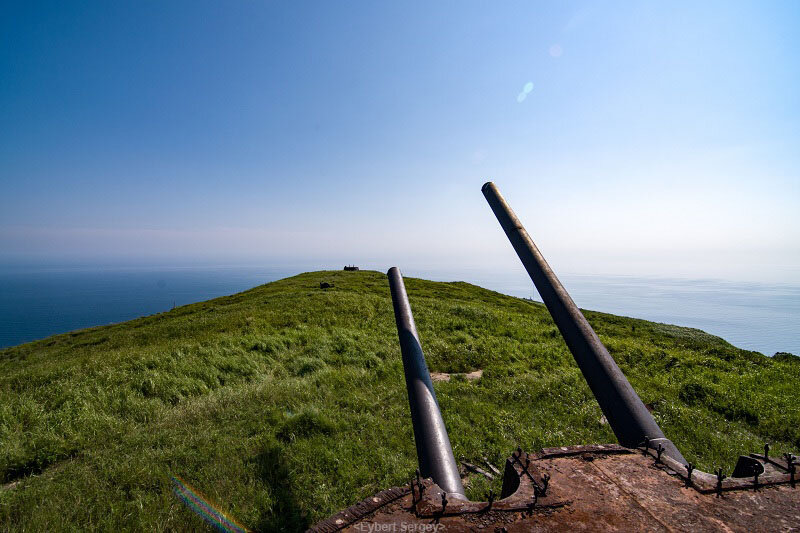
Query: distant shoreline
(35,305)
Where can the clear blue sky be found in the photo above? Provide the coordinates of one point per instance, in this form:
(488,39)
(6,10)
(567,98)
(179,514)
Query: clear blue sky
(654,138)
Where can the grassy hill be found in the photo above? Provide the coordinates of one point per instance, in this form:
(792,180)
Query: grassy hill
(286,402)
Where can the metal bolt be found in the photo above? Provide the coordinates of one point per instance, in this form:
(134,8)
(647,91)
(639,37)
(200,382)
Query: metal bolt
(444,502)
(516,455)
(755,481)
(766,451)
(790,463)
(490,498)
(525,467)
(659,451)
(689,468)
(545,483)
(413,493)
(720,477)
(646,444)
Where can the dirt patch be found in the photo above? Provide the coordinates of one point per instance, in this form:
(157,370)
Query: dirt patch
(443,376)
(9,486)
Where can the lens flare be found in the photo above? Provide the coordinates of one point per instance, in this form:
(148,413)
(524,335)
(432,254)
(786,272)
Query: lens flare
(204,509)
(526,89)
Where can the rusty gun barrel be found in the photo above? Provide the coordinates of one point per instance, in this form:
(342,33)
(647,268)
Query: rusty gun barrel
(628,417)
(434,454)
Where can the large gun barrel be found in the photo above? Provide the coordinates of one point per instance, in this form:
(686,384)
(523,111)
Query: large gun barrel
(628,417)
(434,454)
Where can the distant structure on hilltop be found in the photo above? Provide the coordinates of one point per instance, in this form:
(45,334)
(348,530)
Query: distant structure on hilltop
(351,267)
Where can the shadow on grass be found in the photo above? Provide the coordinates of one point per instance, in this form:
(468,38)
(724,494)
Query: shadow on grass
(36,465)
(284,514)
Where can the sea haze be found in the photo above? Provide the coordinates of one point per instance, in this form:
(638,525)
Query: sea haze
(37,303)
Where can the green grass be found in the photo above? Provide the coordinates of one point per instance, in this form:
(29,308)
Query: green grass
(286,403)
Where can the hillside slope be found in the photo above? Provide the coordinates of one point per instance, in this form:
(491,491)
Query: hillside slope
(287,402)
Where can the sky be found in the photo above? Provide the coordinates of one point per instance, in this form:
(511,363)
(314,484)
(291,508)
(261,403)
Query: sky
(631,138)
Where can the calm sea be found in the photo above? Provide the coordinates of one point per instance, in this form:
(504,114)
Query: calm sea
(37,303)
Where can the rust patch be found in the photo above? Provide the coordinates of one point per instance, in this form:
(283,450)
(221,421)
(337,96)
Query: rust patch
(589,488)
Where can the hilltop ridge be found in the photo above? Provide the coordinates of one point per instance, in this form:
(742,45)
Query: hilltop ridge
(286,402)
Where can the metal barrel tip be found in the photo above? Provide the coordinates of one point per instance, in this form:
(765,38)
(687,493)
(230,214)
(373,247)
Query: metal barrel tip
(486,185)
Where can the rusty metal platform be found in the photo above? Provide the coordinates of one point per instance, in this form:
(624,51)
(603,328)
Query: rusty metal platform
(588,488)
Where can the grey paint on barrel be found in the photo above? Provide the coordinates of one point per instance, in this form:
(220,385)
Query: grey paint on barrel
(434,454)
(626,414)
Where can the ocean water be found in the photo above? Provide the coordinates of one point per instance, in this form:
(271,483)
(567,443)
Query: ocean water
(37,303)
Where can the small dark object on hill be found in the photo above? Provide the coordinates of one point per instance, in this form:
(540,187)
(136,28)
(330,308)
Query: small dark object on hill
(351,267)
(786,356)
(325,285)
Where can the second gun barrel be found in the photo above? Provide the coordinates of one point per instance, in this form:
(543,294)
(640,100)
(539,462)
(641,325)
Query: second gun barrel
(627,415)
